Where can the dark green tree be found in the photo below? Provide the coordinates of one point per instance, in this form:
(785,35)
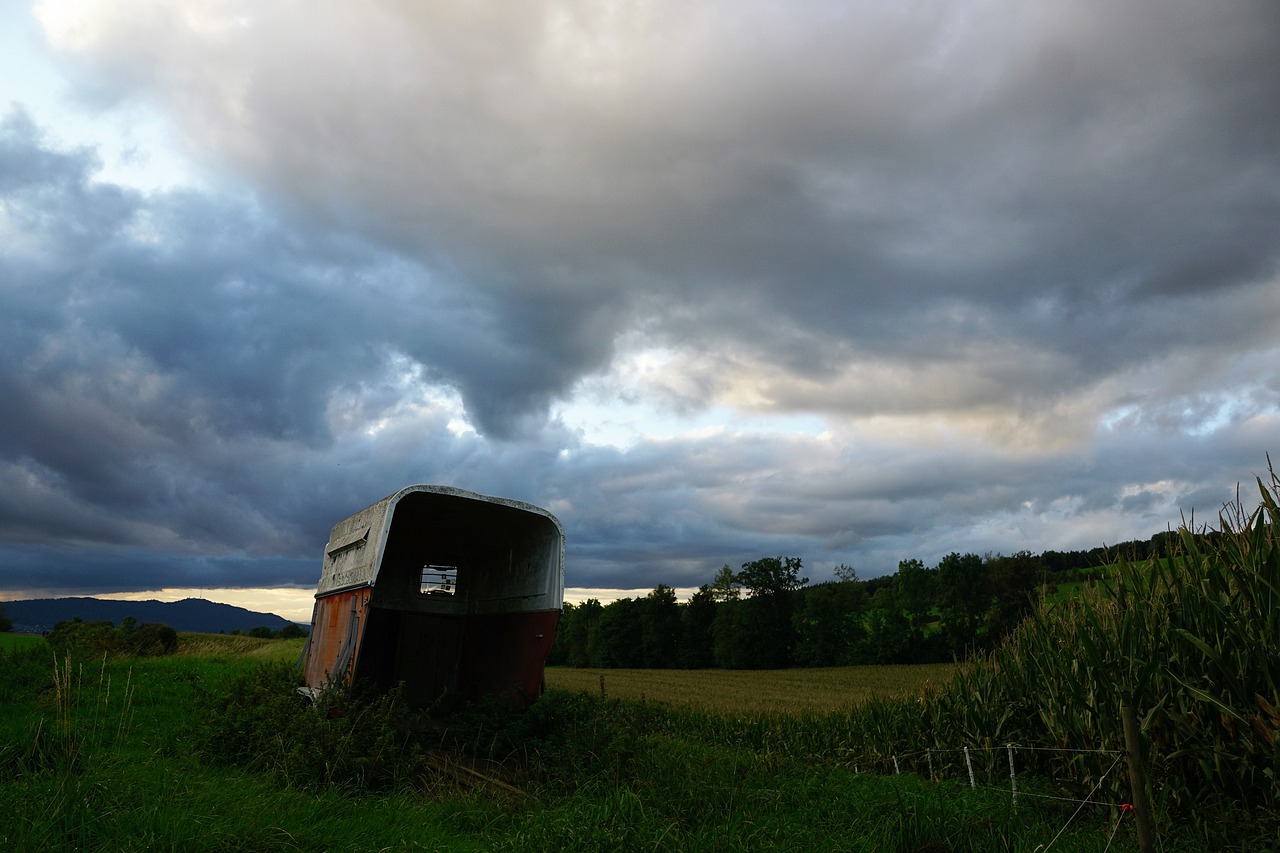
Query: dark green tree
(1013,582)
(965,599)
(697,643)
(621,634)
(917,592)
(769,639)
(150,639)
(829,625)
(660,628)
(292,631)
(78,638)
(889,636)
(729,635)
(724,587)
(576,634)
(585,650)
(771,576)
(846,573)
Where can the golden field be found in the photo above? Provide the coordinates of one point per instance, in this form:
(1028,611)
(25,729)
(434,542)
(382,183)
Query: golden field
(779,691)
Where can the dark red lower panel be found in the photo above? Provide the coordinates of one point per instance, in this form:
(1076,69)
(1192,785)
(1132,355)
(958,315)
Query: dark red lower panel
(504,654)
(500,656)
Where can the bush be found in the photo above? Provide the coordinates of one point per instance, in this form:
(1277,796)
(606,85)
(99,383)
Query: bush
(151,640)
(292,631)
(77,638)
(360,743)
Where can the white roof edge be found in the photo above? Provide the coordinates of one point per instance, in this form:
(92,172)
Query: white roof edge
(453,491)
(377,527)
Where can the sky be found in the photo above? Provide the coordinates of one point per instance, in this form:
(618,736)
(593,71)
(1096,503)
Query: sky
(854,282)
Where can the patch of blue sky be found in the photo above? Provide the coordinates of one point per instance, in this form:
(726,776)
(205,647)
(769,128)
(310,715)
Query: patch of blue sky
(1196,419)
(624,424)
(135,146)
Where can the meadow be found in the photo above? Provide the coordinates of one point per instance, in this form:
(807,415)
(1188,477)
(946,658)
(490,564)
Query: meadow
(209,749)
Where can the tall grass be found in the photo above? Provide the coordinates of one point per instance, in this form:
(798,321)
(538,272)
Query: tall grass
(238,646)
(1191,640)
(67,744)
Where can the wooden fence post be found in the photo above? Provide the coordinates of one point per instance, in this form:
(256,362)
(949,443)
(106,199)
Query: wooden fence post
(1013,777)
(1137,776)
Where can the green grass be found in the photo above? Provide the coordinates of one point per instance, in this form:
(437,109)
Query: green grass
(211,749)
(118,755)
(238,646)
(20,642)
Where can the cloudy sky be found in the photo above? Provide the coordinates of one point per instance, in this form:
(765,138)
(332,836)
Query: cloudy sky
(713,280)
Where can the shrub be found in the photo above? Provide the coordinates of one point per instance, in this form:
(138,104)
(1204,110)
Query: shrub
(80,639)
(292,631)
(151,639)
(361,743)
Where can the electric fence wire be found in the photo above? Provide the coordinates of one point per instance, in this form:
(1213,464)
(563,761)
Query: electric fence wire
(1118,753)
(1082,805)
(1089,800)
(1112,836)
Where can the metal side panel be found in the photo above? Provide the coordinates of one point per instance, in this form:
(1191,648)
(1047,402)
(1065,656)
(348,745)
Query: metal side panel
(504,655)
(335,636)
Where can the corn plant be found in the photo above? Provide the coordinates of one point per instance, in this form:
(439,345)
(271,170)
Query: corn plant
(1191,640)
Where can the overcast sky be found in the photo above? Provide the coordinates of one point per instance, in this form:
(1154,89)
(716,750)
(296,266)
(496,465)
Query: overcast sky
(712,280)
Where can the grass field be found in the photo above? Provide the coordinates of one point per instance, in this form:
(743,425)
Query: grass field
(239,646)
(210,750)
(12,642)
(783,691)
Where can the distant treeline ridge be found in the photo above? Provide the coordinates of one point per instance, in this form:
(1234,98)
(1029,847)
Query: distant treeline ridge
(765,615)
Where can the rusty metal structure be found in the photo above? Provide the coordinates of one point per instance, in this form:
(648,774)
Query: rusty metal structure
(445,590)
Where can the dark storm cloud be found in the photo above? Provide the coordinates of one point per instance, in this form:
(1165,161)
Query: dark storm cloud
(1021,260)
(1062,178)
(169,360)
(64,570)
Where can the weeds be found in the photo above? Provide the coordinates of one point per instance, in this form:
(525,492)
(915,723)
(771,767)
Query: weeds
(72,739)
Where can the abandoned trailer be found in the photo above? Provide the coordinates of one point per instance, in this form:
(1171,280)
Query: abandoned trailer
(442,589)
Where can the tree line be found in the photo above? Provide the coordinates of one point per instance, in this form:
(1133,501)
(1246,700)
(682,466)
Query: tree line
(766,616)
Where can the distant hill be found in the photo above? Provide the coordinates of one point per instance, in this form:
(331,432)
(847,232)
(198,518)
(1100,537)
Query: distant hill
(37,615)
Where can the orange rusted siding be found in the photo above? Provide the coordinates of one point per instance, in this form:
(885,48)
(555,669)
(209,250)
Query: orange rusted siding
(333,630)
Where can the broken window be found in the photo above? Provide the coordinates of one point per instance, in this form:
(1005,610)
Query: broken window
(439,580)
